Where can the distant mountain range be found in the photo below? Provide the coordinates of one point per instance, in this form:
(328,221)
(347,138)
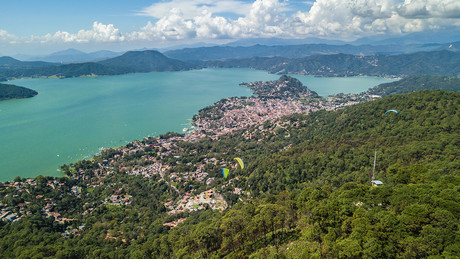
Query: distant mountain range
(296,51)
(72,56)
(420,38)
(440,62)
(280,41)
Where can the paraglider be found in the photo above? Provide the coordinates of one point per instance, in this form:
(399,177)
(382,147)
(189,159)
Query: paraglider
(225,172)
(240,162)
(395,111)
(376,183)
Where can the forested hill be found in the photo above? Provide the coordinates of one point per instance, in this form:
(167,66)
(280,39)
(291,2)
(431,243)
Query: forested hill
(315,200)
(130,62)
(304,192)
(417,83)
(145,61)
(444,62)
(15,92)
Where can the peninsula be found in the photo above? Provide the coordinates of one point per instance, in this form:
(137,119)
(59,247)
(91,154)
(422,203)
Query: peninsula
(8,91)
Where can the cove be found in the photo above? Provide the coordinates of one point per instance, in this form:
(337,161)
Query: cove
(72,119)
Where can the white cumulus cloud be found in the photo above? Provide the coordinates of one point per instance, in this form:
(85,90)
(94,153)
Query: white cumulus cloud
(193,8)
(171,27)
(349,17)
(430,9)
(354,18)
(99,33)
(207,20)
(214,27)
(339,19)
(263,18)
(6,37)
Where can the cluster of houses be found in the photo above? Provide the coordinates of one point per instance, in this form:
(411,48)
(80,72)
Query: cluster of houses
(7,215)
(340,101)
(118,200)
(17,211)
(239,113)
(208,198)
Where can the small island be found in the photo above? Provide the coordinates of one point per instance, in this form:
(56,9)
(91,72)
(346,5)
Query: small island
(15,92)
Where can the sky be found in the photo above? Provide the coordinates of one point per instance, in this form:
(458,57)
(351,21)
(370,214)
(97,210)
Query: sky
(46,26)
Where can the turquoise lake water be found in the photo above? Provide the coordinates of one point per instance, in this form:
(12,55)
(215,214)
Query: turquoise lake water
(72,119)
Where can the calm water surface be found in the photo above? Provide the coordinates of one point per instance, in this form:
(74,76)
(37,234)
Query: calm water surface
(72,119)
(326,86)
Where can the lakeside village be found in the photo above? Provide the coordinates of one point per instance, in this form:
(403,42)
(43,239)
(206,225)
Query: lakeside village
(151,158)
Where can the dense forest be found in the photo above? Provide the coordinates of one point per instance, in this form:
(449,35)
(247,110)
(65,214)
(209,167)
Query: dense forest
(305,191)
(417,83)
(435,62)
(15,92)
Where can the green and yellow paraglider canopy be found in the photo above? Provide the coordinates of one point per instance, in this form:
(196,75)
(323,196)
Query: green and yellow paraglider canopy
(240,162)
(225,172)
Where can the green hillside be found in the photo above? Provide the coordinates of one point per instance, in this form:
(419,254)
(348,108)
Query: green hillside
(435,62)
(145,61)
(417,83)
(315,198)
(304,192)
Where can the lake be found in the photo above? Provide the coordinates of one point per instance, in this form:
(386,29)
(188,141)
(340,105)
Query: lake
(73,119)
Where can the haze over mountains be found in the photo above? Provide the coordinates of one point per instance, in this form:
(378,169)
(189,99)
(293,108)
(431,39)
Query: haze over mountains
(296,51)
(9,62)
(71,56)
(426,37)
